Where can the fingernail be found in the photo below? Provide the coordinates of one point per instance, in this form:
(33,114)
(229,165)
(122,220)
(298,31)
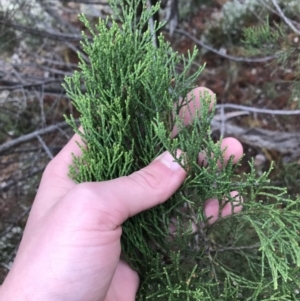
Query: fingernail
(167,159)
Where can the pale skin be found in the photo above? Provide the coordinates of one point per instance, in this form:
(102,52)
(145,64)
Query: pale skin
(71,244)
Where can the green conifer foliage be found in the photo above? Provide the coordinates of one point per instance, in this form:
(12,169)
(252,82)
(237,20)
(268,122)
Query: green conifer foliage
(128,95)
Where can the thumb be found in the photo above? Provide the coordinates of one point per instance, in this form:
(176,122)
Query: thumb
(126,196)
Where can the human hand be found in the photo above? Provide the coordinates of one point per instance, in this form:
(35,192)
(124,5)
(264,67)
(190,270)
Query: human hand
(71,244)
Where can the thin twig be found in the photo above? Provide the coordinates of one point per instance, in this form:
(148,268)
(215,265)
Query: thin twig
(64,133)
(10,85)
(283,16)
(76,50)
(56,62)
(220,248)
(45,147)
(25,138)
(50,34)
(227,56)
(283,142)
(222,121)
(63,22)
(269,8)
(16,180)
(55,71)
(226,116)
(151,25)
(95,2)
(257,110)
(172,19)
(42,105)
(27,150)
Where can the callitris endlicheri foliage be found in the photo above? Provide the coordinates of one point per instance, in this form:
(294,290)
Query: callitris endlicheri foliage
(127,97)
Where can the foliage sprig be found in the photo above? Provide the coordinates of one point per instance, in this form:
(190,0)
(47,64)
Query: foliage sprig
(129,97)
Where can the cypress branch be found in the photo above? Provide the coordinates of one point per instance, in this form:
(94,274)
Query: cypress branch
(132,93)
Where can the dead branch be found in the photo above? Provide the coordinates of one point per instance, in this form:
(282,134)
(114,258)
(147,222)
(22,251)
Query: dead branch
(284,143)
(11,85)
(285,18)
(257,110)
(50,34)
(58,18)
(25,138)
(86,2)
(227,56)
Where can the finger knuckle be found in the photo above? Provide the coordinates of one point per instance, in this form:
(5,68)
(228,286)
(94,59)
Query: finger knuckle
(150,182)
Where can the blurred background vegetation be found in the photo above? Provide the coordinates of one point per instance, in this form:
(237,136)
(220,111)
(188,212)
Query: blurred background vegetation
(251,52)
